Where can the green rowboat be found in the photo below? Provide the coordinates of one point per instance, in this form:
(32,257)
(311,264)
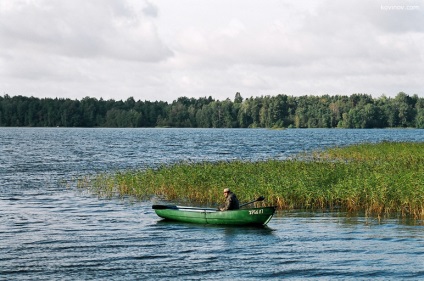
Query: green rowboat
(251,216)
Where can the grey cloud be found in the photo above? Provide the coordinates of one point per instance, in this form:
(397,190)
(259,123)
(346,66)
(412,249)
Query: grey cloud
(150,10)
(111,49)
(82,29)
(391,16)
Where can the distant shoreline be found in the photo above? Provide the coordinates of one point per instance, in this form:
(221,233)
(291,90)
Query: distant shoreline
(357,111)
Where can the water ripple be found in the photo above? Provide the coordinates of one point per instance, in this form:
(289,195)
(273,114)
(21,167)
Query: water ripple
(56,232)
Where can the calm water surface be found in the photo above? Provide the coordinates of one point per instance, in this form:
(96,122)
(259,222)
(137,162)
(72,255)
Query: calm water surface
(52,231)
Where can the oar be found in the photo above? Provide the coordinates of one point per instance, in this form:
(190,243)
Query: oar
(162,207)
(260,198)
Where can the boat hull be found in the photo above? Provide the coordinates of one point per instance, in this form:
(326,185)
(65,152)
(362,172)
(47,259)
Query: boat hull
(251,216)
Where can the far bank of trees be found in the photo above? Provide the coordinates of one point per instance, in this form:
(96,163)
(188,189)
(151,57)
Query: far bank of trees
(281,111)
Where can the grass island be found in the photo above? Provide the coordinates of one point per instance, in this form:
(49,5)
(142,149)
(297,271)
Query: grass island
(377,179)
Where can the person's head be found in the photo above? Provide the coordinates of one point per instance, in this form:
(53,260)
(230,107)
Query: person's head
(226,192)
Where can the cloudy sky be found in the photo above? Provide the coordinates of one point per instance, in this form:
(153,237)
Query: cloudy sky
(165,49)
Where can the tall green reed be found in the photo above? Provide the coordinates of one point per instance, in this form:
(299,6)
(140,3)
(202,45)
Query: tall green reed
(377,179)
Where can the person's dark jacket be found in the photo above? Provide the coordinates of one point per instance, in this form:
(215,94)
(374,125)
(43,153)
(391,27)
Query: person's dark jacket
(231,203)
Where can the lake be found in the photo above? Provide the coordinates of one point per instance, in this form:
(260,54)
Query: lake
(50,230)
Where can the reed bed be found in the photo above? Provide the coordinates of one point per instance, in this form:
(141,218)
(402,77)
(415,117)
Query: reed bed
(377,179)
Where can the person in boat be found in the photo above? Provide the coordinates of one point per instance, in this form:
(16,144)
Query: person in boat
(231,201)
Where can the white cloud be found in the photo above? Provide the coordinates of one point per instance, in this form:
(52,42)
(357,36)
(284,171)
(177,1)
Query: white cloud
(161,50)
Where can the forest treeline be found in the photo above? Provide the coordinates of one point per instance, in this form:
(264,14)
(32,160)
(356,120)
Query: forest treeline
(280,111)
